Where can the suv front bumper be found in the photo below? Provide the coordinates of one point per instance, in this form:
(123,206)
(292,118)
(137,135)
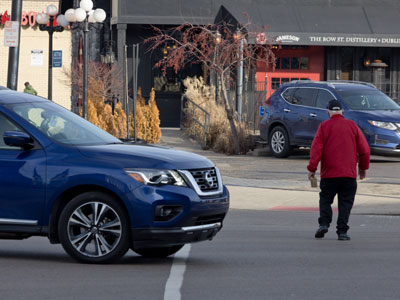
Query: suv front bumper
(155,237)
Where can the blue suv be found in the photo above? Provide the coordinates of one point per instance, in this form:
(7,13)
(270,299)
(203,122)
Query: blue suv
(64,178)
(296,109)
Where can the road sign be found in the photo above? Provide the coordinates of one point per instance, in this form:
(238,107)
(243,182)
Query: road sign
(11,31)
(57,58)
(262,111)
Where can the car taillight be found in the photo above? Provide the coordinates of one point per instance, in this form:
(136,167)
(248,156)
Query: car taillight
(268,103)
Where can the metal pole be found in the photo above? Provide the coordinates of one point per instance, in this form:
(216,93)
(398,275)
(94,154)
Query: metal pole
(135,57)
(13,52)
(50,73)
(85,68)
(127,95)
(239,82)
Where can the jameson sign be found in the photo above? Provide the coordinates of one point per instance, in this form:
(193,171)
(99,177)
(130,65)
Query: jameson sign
(372,40)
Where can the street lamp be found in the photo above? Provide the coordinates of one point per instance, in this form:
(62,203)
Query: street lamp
(48,18)
(218,40)
(85,14)
(238,36)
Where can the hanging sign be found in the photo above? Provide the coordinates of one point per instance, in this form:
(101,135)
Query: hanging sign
(11,31)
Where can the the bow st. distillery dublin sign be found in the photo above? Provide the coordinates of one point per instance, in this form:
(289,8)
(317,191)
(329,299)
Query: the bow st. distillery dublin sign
(332,39)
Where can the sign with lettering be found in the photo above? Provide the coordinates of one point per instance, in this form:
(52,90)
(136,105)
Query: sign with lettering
(27,19)
(11,32)
(57,58)
(37,58)
(334,39)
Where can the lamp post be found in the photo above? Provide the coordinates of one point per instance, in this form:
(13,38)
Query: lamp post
(239,74)
(85,15)
(48,18)
(218,40)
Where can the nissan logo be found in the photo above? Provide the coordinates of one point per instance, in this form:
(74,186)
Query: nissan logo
(208,178)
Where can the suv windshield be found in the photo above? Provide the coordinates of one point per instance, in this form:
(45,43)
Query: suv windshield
(367,100)
(62,125)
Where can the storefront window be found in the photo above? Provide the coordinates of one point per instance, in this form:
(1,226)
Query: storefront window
(170,82)
(285,63)
(275,83)
(303,62)
(292,63)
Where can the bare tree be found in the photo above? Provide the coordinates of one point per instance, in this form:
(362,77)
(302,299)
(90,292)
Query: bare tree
(219,47)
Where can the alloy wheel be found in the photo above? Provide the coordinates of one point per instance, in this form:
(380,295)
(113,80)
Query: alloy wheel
(94,229)
(278,142)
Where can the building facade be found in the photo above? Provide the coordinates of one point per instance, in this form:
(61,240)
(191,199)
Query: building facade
(315,39)
(33,53)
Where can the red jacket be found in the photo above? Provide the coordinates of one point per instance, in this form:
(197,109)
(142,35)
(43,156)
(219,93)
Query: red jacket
(339,144)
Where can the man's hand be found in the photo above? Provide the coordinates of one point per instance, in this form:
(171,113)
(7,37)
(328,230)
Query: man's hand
(311,174)
(362,174)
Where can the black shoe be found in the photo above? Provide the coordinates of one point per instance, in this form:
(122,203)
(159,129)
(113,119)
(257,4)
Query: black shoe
(343,237)
(321,231)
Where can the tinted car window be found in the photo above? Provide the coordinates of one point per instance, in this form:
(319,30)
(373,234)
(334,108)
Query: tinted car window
(367,100)
(323,99)
(6,125)
(62,125)
(286,94)
(304,96)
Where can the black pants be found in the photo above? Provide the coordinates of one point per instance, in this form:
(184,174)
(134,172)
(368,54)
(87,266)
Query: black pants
(346,189)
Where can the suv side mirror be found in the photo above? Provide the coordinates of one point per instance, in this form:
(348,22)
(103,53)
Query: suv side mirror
(18,139)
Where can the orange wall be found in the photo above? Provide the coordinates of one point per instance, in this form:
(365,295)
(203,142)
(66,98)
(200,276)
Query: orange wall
(316,58)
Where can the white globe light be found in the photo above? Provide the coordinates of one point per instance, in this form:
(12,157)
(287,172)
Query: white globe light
(70,15)
(39,18)
(80,14)
(42,19)
(87,5)
(52,10)
(62,21)
(99,15)
(91,18)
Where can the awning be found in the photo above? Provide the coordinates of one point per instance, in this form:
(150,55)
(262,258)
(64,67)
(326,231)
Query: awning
(325,23)
(289,22)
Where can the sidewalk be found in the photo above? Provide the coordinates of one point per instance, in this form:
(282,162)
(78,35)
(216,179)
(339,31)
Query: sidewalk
(260,194)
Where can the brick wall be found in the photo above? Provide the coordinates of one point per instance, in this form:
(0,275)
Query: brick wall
(34,39)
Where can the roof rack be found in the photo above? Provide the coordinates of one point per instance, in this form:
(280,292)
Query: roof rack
(312,81)
(352,81)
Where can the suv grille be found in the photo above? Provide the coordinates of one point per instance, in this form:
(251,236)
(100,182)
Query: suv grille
(206,179)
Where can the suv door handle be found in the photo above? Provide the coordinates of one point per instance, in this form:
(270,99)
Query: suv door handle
(313,115)
(286,110)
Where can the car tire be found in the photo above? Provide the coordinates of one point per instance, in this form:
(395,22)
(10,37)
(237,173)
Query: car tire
(94,228)
(279,142)
(158,252)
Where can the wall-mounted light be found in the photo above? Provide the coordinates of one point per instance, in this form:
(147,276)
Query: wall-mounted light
(218,38)
(237,35)
(367,62)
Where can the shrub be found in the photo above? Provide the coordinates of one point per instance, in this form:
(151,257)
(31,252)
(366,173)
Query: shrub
(101,115)
(219,137)
(147,119)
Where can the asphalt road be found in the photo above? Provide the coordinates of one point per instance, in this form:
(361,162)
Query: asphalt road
(257,255)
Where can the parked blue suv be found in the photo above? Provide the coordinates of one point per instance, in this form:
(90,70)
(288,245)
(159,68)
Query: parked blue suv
(296,109)
(64,178)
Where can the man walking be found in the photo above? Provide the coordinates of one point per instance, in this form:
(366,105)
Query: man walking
(339,144)
(29,89)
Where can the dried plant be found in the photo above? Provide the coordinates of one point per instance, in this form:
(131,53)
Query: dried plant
(218,137)
(219,48)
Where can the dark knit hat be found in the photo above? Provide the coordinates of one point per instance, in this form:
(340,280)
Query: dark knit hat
(334,105)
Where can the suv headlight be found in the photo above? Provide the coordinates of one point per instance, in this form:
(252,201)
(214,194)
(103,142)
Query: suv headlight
(156,176)
(385,125)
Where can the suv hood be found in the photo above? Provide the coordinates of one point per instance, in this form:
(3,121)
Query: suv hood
(133,156)
(376,115)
